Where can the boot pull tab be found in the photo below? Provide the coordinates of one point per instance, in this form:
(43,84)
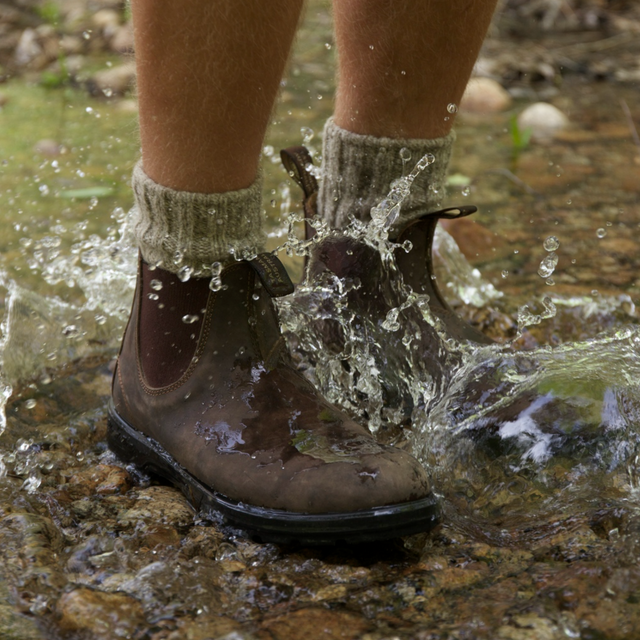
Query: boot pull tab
(451,213)
(272,274)
(295,161)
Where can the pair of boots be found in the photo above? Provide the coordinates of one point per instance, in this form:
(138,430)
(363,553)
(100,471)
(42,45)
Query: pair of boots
(206,396)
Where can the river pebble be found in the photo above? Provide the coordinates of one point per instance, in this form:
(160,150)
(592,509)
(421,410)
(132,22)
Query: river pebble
(484,95)
(544,120)
(103,615)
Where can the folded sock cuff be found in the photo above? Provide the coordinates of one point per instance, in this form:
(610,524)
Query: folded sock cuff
(175,229)
(359,169)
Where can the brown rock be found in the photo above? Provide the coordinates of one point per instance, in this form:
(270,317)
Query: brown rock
(484,95)
(161,536)
(104,479)
(129,106)
(162,505)
(103,615)
(70,44)
(316,623)
(122,40)
(205,627)
(117,80)
(475,240)
(48,147)
(105,19)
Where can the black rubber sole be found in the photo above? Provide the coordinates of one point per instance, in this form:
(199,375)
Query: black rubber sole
(272,525)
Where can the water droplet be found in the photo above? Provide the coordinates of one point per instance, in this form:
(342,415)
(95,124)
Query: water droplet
(371,47)
(550,282)
(465,191)
(190,318)
(327,45)
(268,150)
(551,243)
(185,273)
(31,484)
(256,296)
(153,296)
(548,265)
(601,233)
(70,330)
(156,285)
(307,134)
(595,293)
(505,273)
(30,404)
(86,34)
(452,108)
(405,154)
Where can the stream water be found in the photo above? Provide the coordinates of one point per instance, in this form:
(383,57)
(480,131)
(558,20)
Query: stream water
(533,442)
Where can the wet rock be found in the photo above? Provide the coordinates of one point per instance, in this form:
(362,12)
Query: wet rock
(161,536)
(544,120)
(205,627)
(14,625)
(105,19)
(310,623)
(161,505)
(71,44)
(115,81)
(104,479)
(104,615)
(530,627)
(48,147)
(122,40)
(28,48)
(129,106)
(475,240)
(484,95)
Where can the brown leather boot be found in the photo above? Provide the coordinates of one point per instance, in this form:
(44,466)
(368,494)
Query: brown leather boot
(228,419)
(347,258)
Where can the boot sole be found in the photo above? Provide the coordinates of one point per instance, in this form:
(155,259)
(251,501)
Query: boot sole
(272,525)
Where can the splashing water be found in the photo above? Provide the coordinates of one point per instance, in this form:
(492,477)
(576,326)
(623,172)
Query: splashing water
(462,404)
(391,363)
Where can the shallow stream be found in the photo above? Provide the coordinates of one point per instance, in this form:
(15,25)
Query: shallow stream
(533,442)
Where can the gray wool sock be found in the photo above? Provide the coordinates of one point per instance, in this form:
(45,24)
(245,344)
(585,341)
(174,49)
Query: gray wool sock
(358,171)
(175,229)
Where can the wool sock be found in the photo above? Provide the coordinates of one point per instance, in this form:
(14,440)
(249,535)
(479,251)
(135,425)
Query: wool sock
(359,169)
(179,229)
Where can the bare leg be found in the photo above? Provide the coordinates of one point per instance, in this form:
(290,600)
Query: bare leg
(402,62)
(208,74)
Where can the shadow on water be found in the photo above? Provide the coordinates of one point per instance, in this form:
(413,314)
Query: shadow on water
(533,441)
